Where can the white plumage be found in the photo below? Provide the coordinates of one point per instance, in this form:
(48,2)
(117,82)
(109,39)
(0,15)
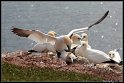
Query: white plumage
(68,56)
(60,43)
(114,55)
(93,55)
(45,47)
(85,38)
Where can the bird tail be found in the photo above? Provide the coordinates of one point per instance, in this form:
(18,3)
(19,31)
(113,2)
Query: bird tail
(114,62)
(32,51)
(110,61)
(121,63)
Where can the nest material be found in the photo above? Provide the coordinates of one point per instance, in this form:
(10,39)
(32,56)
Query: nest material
(25,59)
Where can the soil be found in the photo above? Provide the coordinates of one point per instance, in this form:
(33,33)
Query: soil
(109,72)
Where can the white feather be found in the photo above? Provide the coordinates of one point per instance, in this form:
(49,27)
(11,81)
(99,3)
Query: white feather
(96,56)
(93,55)
(114,55)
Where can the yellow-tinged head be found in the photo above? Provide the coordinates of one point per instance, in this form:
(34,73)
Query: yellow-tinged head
(75,38)
(52,33)
(67,41)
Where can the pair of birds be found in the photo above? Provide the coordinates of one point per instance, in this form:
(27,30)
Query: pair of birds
(96,56)
(61,44)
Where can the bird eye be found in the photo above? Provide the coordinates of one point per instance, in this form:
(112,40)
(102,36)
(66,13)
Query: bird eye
(79,38)
(112,55)
(84,36)
(83,44)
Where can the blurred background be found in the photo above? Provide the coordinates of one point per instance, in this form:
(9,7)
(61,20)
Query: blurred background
(62,17)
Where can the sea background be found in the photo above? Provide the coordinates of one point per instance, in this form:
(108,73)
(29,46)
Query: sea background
(62,17)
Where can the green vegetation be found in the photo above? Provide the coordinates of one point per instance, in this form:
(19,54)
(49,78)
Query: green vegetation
(11,73)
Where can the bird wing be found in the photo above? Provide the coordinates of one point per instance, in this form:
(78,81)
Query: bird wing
(35,35)
(39,47)
(87,28)
(100,20)
(97,56)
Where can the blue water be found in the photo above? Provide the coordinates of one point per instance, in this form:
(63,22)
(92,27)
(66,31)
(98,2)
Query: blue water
(62,17)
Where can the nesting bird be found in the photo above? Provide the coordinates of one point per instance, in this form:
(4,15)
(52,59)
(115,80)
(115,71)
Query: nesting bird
(85,38)
(68,57)
(45,47)
(93,55)
(114,55)
(75,38)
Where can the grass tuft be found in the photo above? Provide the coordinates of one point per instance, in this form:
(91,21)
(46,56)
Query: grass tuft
(13,73)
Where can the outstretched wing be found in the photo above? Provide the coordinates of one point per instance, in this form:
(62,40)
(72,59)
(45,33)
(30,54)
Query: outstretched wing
(100,20)
(35,35)
(87,28)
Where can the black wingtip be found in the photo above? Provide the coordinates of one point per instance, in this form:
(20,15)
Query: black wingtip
(58,54)
(13,28)
(32,51)
(107,13)
(110,61)
(100,20)
(114,62)
(121,63)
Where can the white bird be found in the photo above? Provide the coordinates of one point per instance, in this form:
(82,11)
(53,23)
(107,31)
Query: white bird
(114,55)
(60,43)
(45,47)
(68,57)
(85,38)
(75,38)
(93,55)
(49,48)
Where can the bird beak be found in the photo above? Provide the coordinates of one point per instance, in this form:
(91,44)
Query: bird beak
(57,34)
(74,60)
(58,54)
(82,38)
(69,48)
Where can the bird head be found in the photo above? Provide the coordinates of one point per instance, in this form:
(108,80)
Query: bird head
(75,38)
(84,44)
(52,33)
(67,42)
(84,37)
(114,55)
(71,57)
